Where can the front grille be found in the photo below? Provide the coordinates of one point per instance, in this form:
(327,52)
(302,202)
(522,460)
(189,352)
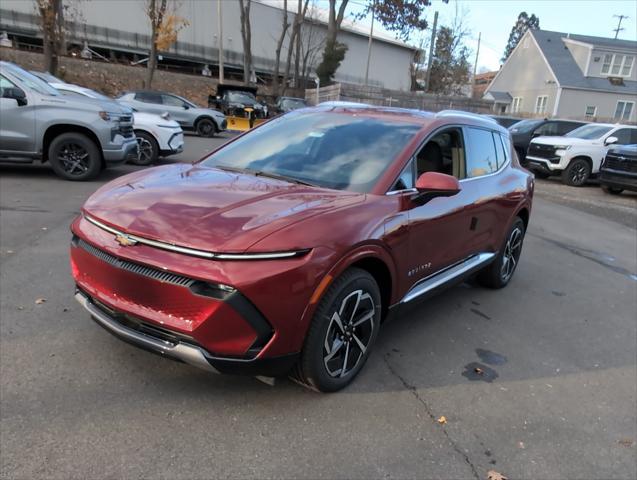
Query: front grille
(126,131)
(543,151)
(155,274)
(622,164)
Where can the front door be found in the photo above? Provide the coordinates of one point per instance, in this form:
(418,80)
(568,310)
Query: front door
(17,124)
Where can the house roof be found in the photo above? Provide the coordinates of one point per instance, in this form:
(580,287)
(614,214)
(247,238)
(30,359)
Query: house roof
(566,70)
(500,97)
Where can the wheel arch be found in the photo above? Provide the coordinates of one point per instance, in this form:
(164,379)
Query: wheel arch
(206,117)
(58,129)
(582,157)
(525,215)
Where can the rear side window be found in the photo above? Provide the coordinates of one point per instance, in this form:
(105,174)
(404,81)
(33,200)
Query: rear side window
(147,97)
(565,127)
(499,147)
(549,128)
(481,152)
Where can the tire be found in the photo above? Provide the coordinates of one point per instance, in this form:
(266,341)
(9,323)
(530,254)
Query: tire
(612,190)
(541,175)
(577,173)
(498,273)
(353,297)
(74,156)
(148,149)
(205,127)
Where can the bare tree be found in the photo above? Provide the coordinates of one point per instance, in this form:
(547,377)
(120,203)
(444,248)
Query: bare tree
(296,31)
(277,53)
(312,43)
(246,36)
(165,25)
(51,13)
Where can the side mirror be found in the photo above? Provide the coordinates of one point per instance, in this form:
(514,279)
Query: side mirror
(186,107)
(433,184)
(16,94)
(610,140)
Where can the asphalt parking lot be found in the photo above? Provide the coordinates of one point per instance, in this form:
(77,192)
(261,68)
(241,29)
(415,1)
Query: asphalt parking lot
(558,348)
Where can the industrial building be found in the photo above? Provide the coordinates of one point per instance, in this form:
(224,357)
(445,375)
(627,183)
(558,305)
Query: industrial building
(121,28)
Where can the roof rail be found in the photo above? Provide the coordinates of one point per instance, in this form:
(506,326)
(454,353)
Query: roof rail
(444,113)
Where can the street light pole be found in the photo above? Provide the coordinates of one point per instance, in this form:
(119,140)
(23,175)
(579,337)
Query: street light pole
(220,29)
(369,43)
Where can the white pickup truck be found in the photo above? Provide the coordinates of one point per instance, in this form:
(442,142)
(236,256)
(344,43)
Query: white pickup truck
(578,154)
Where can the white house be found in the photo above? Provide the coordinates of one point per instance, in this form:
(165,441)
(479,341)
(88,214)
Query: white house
(568,76)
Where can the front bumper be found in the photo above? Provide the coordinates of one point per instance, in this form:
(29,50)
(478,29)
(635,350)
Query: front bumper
(175,144)
(543,165)
(120,153)
(155,340)
(618,179)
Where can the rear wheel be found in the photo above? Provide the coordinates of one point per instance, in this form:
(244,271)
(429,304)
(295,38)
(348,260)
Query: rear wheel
(612,190)
(343,331)
(501,270)
(148,151)
(74,156)
(206,128)
(577,173)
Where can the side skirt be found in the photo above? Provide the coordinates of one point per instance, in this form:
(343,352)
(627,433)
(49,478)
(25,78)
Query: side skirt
(444,279)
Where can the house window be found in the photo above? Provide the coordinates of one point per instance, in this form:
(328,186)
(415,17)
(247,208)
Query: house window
(540,104)
(617,65)
(591,112)
(623,110)
(516,105)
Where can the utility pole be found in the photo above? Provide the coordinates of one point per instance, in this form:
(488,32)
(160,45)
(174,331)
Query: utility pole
(431,50)
(220,29)
(369,44)
(475,64)
(619,24)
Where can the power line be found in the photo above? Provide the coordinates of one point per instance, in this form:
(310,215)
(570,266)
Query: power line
(619,24)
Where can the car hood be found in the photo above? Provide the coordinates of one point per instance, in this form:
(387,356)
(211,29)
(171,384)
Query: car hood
(88,104)
(209,209)
(563,141)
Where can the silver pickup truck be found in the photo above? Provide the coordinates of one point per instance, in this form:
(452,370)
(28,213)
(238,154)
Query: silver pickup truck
(77,137)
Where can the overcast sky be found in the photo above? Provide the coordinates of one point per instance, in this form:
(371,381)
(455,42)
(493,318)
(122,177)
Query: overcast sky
(494,19)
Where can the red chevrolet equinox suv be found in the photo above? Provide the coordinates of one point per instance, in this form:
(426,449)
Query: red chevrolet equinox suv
(283,251)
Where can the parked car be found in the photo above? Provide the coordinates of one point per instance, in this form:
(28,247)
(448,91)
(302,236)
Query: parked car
(238,101)
(577,155)
(157,135)
(204,121)
(47,77)
(505,121)
(523,132)
(287,104)
(77,137)
(618,171)
(285,249)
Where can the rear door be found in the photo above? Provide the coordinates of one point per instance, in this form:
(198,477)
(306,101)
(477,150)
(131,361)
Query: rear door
(17,123)
(149,102)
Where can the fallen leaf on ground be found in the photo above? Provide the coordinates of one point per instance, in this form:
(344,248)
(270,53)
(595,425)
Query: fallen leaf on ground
(478,370)
(40,301)
(493,475)
(442,420)
(520,444)
(626,442)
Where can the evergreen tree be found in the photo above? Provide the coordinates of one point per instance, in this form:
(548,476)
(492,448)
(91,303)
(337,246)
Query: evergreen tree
(523,23)
(450,69)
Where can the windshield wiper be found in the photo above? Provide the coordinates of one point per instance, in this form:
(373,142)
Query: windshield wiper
(261,173)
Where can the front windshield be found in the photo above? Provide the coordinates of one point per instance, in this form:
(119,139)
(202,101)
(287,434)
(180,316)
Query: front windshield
(34,83)
(241,97)
(589,132)
(293,103)
(524,126)
(327,149)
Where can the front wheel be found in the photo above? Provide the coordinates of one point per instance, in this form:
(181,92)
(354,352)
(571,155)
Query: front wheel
(206,128)
(612,190)
(577,173)
(148,150)
(501,270)
(343,331)
(74,156)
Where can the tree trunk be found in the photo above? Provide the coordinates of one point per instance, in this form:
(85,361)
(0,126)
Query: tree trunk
(52,32)
(152,59)
(296,30)
(246,35)
(277,57)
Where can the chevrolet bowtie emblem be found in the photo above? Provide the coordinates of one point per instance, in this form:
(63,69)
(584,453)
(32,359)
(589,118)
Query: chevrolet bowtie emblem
(125,241)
